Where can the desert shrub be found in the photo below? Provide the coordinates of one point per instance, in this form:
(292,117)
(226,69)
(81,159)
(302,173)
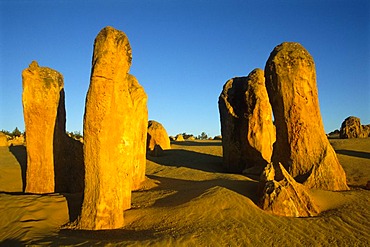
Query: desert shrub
(202,136)
(16,132)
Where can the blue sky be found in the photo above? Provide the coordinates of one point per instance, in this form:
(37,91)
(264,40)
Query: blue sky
(184,52)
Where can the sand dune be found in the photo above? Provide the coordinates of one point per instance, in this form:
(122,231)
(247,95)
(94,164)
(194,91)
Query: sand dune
(188,200)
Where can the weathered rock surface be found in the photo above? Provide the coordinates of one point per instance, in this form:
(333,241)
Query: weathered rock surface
(283,196)
(54,162)
(301,144)
(157,135)
(247,129)
(352,128)
(43,99)
(3,140)
(366,130)
(113,123)
(140,124)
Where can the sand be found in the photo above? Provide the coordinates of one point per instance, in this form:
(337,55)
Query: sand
(189,201)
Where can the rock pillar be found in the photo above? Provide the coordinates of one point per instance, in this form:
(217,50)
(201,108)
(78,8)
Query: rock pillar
(246,123)
(42,96)
(301,144)
(111,133)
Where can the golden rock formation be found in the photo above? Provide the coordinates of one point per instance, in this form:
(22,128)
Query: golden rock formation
(301,144)
(140,122)
(157,135)
(283,196)
(352,128)
(3,140)
(114,107)
(44,115)
(247,129)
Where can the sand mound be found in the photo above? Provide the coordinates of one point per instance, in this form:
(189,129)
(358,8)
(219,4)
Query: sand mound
(188,200)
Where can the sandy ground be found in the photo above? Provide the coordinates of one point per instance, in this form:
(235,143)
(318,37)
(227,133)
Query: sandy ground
(189,201)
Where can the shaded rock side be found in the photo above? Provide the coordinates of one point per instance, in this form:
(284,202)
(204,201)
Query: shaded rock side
(283,196)
(301,144)
(247,129)
(3,140)
(352,128)
(157,151)
(140,122)
(112,125)
(157,135)
(366,130)
(42,96)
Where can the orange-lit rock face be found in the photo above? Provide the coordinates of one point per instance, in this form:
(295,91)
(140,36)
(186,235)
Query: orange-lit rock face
(115,126)
(3,140)
(246,122)
(281,195)
(42,95)
(157,135)
(140,121)
(352,128)
(301,144)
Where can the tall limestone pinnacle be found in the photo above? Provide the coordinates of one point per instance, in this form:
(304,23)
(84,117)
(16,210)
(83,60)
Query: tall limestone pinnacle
(246,123)
(115,124)
(44,117)
(54,160)
(301,144)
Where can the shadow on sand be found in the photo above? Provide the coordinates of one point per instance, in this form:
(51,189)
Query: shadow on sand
(68,237)
(197,143)
(357,154)
(20,153)
(189,159)
(74,200)
(189,189)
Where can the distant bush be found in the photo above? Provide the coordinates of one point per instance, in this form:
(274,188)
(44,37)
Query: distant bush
(16,132)
(202,136)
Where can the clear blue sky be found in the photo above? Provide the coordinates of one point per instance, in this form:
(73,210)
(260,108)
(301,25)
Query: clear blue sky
(184,51)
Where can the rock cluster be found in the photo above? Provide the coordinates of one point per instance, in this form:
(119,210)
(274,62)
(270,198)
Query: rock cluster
(352,128)
(157,138)
(301,144)
(246,123)
(302,151)
(115,127)
(50,158)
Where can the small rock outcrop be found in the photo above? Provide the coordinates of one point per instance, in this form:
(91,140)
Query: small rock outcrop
(190,138)
(157,136)
(179,138)
(43,110)
(3,140)
(283,196)
(218,138)
(115,125)
(247,129)
(352,128)
(301,143)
